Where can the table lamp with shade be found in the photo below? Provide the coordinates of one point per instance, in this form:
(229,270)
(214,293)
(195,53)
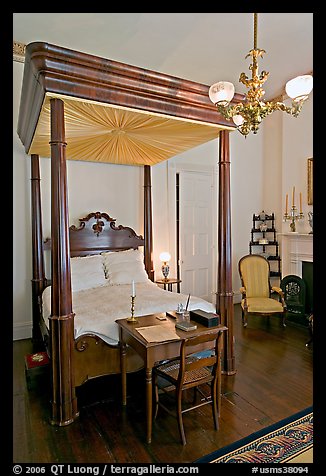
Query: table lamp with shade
(165,258)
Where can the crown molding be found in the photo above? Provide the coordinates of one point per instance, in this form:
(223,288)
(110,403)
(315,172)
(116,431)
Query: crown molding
(19,51)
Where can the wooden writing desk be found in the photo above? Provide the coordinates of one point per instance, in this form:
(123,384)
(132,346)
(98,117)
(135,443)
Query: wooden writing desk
(152,352)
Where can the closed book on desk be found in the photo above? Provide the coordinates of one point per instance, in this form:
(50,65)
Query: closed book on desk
(208,319)
(186,326)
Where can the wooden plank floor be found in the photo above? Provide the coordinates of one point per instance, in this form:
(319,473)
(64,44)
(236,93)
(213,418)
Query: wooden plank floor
(274,379)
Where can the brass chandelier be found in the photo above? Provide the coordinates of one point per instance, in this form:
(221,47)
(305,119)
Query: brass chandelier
(248,115)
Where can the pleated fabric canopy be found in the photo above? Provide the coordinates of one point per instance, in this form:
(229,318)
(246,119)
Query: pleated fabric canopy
(100,132)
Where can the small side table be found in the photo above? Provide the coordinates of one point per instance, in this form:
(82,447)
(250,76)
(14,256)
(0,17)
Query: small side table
(168,282)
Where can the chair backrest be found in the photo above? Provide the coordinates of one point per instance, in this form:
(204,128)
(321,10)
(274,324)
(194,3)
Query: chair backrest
(202,359)
(254,272)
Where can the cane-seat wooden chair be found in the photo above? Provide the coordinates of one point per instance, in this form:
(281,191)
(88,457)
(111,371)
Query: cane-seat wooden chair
(195,370)
(257,291)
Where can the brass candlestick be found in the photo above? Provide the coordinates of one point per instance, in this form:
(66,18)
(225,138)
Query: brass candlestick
(132,318)
(293,217)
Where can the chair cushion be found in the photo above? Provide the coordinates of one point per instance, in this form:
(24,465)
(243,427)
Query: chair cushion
(263,305)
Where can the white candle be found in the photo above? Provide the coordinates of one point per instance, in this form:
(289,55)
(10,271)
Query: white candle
(286,204)
(293,192)
(300,202)
(133,289)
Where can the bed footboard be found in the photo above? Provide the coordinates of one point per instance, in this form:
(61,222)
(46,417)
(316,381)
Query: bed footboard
(92,358)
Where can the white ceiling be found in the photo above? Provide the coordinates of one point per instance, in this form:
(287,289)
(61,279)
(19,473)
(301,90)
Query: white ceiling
(203,47)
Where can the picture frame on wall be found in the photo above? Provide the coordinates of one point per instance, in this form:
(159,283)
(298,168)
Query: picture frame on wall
(310,181)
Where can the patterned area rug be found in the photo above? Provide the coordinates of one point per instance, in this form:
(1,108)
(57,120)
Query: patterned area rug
(288,441)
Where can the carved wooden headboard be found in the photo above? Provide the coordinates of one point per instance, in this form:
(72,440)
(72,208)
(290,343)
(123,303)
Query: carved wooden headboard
(97,233)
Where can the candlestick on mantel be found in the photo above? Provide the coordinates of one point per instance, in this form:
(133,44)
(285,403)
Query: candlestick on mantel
(293,216)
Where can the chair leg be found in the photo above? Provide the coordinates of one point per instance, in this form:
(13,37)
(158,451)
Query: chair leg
(309,342)
(156,396)
(179,415)
(283,319)
(244,318)
(311,324)
(215,408)
(195,395)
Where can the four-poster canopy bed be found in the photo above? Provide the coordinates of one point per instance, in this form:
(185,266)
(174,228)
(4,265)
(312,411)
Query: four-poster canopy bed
(77,106)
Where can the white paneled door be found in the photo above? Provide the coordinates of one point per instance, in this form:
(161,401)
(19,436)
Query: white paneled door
(196,233)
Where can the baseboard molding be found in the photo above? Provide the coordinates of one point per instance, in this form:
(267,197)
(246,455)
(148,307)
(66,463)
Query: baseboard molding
(22,331)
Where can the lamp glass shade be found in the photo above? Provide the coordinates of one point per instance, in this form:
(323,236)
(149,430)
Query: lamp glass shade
(165,256)
(238,119)
(299,87)
(221,93)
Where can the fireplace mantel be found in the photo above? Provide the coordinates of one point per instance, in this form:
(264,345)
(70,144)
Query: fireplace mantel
(295,248)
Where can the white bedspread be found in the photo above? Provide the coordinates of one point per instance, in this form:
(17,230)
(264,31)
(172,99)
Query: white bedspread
(96,309)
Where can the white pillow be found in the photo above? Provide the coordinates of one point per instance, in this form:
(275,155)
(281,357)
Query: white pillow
(111,257)
(87,272)
(123,267)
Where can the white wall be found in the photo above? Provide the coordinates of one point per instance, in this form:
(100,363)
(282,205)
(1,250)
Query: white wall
(22,299)
(297,147)
(246,195)
(262,168)
(115,189)
(272,167)
(288,143)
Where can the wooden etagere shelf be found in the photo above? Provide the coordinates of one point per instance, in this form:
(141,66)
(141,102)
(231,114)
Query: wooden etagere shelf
(263,241)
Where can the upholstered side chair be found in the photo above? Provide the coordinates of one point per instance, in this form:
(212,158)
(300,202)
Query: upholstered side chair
(257,292)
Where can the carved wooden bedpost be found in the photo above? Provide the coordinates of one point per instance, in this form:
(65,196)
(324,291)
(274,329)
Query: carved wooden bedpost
(148,227)
(224,298)
(38,281)
(64,403)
